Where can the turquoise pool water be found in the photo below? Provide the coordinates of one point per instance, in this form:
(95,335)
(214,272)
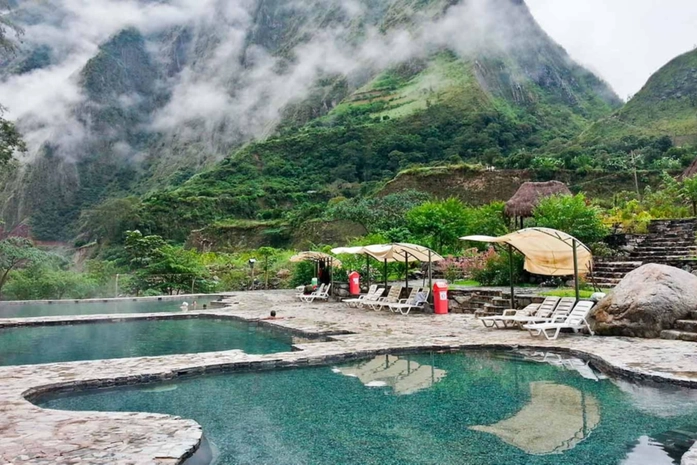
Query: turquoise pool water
(50,344)
(111,308)
(476,408)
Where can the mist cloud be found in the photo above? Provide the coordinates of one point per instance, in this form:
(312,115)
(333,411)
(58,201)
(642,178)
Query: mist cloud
(228,85)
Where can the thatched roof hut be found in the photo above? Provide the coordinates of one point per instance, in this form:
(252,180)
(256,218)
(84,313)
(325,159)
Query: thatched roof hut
(529,195)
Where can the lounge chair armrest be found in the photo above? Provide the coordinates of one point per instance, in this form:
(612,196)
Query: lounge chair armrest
(510,312)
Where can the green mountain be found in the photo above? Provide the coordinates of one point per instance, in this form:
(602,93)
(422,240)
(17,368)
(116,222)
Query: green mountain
(317,101)
(665,106)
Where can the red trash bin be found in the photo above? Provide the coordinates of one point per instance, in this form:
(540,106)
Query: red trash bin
(355,283)
(440,298)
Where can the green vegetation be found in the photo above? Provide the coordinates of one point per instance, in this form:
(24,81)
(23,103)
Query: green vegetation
(10,139)
(16,252)
(572,215)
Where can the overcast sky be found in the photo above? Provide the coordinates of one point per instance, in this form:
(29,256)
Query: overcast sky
(625,41)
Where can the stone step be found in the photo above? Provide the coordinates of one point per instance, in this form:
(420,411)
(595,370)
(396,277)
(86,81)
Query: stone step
(693,315)
(608,274)
(689,326)
(655,248)
(654,258)
(679,335)
(606,284)
(619,263)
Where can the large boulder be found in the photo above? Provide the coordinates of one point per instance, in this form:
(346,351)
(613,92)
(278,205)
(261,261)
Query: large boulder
(647,301)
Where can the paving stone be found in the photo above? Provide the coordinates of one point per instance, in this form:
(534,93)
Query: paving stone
(29,434)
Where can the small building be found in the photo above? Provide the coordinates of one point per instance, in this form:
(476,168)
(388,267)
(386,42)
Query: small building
(528,197)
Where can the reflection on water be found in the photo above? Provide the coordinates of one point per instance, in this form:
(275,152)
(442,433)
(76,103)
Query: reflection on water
(648,452)
(556,419)
(564,361)
(660,400)
(402,374)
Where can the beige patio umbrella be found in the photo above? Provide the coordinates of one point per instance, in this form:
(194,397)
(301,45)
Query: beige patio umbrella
(398,252)
(318,257)
(547,252)
(557,418)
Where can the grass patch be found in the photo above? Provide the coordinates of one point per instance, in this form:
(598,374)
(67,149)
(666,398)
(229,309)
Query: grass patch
(571,293)
(468,283)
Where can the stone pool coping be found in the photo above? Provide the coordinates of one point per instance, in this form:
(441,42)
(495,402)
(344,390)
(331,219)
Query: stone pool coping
(163,298)
(29,434)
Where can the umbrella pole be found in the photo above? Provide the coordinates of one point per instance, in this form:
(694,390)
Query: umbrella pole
(331,276)
(406,270)
(510,264)
(385,273)
(430,276)
(578,294)
(367,268)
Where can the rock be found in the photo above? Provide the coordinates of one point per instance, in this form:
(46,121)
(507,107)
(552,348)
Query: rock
(341,293)
(647,301)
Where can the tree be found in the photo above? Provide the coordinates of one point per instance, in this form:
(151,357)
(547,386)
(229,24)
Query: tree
(378,213)
(142,250)
(689,192)
(16,252)
(440,223)
(108,220)
(10,139)
(572,215)
(8,46)
(269,255)
(173,270)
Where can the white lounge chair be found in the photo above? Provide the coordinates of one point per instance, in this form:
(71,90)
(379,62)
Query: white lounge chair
(371,295)
(299,292)
(508,316)
(413,292)
(322,294)
(391,297)
(576,320)
(559,313)
(407,305)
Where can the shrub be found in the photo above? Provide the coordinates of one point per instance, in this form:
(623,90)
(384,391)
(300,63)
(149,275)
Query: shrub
(495,270)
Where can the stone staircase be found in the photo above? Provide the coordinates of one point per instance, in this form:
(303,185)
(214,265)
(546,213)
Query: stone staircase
(607,275)
(685,330)
(669,242)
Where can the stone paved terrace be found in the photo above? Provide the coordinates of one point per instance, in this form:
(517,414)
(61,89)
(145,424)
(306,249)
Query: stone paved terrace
(29,434)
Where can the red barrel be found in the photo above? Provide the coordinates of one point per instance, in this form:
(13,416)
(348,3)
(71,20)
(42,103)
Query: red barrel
(354,283)
(440,298)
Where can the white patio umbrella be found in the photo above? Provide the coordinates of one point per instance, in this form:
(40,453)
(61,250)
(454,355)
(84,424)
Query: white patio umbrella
(398,252)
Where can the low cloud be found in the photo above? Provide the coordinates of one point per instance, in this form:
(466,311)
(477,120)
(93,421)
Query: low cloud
(227,84)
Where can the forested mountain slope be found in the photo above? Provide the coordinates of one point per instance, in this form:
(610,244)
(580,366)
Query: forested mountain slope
(666,105)
(309,100)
